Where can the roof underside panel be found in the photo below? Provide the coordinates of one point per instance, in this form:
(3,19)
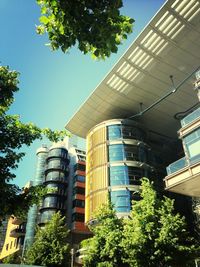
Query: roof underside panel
(169,45)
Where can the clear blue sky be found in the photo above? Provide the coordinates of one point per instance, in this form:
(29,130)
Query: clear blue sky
(53,85)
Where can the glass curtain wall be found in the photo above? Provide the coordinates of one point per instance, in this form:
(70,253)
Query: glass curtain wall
(56,175)
(127,153)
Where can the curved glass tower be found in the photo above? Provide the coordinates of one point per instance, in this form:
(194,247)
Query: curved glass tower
(33,211)
(117,158)
(56,175)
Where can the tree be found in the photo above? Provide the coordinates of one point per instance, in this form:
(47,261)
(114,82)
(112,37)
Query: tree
(13,135)
(50,247)
(95,26)
(14,258)
(104,248)
(154,235)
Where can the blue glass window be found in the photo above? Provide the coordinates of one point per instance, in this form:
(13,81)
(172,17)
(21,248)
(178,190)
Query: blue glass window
(125,175)
(127,152)
(79,178)
(114,132)
(119,175)
(192,143)
(121,200)
(116,152)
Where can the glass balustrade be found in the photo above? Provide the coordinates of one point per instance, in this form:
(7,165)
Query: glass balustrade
(176,166)
(191,117)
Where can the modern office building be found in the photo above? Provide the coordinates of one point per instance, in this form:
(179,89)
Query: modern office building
(55,181)
(119,153)
(76,200)
(149,85)
(61,169)
(183,176)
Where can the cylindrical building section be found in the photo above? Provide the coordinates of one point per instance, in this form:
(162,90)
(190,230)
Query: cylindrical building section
(117,158)
(56,175)
(33,211)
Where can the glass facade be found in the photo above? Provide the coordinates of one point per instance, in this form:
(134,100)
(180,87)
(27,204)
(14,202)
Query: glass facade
(126,175)
(121,200)
(176,166)
(117,158)
(58,152)
(123,152)
(33,211)
(56,163)
(192,144)
(114,132)
(56,175)
(126,143)
(121,131)
(191,117)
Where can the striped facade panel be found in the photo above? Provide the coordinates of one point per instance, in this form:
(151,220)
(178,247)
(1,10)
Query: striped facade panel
(93,201)
(96,170)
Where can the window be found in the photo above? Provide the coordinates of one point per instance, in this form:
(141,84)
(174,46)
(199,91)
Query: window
(121,152)
(56,176)
(58,152)
(79,178)
(50,201)
(125,175)
(116,152)
(192,143)
(114,132)
(121,200)
(79,217)
(131,132)
(118,175)
(79,190)
(56,163)
(79,167)
(7,246)
(78,203)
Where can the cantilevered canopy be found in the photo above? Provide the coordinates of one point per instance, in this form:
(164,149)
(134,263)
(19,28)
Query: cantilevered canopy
(169,45)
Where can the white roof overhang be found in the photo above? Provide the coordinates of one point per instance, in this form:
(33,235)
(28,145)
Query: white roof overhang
(169,45)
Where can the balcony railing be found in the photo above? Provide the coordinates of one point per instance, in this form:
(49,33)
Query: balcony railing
(191,117)
(176,166)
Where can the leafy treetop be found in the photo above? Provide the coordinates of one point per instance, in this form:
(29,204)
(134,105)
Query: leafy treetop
(95,26)
(50,247)
(153,235)
(13,135)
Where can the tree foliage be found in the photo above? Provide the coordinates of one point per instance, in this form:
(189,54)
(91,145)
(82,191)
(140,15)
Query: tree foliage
(50,247)
(14,258)
(95,26)
(104,248)
(153,236)
(13,135)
